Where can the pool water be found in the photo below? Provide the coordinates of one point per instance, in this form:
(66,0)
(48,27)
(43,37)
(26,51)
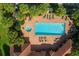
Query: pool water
(49,28)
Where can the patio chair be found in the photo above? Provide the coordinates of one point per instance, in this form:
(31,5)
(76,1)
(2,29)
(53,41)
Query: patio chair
(52,16)
(49,17)
(44,16)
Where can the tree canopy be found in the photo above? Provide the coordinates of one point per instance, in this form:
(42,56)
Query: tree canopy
(75,16)
(19,41)
(14,38)
(75,53)
(61,11)
(9,7)
(39,9)
(6,14)
(19,16)
(6,22)
(23,8)
(43,8)
(1,17)
(34,11)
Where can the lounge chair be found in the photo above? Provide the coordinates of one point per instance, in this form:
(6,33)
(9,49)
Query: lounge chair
(49,17)
(44,16)
(53,16)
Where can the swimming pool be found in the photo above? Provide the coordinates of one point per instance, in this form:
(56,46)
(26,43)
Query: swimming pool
(49,28)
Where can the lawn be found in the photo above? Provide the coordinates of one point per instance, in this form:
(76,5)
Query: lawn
(3,37)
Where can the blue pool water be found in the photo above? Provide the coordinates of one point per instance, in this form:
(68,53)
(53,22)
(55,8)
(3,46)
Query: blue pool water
(49,28)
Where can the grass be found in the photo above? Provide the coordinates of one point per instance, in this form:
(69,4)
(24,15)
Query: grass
(0,53)
(3,33)
(3,38)
(6,50)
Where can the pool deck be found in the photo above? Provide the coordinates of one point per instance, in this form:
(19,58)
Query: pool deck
(34,40)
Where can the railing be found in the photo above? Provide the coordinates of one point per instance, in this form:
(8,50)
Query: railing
(64,49)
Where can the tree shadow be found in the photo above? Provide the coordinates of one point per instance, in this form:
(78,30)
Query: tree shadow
(0,53)
(6,49)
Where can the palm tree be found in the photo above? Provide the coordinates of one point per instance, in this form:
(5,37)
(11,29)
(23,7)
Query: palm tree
(61,11)
(34,11)
(23,8)
(43,8)
(39,9)
(20,17)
